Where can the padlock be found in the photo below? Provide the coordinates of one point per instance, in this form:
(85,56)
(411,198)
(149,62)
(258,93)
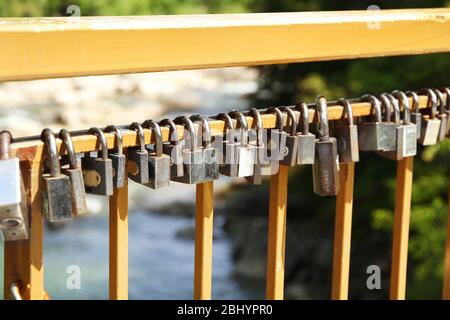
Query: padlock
(447,109)
(292,140)
(158,162)
(246,153)
(174,149)
(390,125)
(416,116)
(75,174)
(193,167)
(326,165)
(57,193)
(228,156)
(347,136)
(210,154)
(276,138)
(441,116)
(98,171)
(13,207)
(306,140)
(430,125)
(138,157)
(257,141)
(372,135)
(117,157)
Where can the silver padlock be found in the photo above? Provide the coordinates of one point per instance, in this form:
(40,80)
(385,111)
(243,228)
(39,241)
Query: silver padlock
(276,137)
(257,141)
(447,109)
(228,157)
(75,174)
(57,193)
(292,140)
(193,167)
(430,125)
(210,154)
(306,140)
(158,162)
(347,136)
(173,148)
(407,132)
(138,157)
(390,123)
(372,135)
(441,116)
(117,157)
(416,116)
(326,165)
(246,153)
(98,171)
(13,203)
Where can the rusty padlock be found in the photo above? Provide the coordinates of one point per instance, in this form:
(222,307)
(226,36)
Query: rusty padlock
(117,157)
(347,135)
(174,149)
(138,157)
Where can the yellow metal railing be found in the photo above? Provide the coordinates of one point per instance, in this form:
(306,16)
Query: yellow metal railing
(62,47)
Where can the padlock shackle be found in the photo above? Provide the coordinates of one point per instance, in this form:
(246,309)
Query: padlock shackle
(5,144)
(396,107)
(119,137)
(432,101)
(102,139)
(304,117)
(48,137)
(138,128)
(386,107)
(258,124)
(322,115)
(227,119)
(441,100)
(189,125)
(292,120)
(447,92)
(347,110)
(376,106)
(64,135)
(205,130)
(415,100)
(242,122)
(154,126)
(404,102)
(279,116)
(173,131)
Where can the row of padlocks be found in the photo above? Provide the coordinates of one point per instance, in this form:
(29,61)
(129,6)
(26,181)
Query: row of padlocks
(250,153)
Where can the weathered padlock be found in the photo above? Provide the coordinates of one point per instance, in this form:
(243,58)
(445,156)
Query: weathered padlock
(430,125)
(246,153)
(193,167)
(74,172)
(257,141)
(416,116)
(138,157)
(210,154)
(98,171)
(158,162)
(276,138)
(347,136)
(306,140)
(57,193)
(13,207)
(390,125)
(117,157)
(228,156)
(174,149)
(292,140)
(441,116)
(372,135)
(326,166)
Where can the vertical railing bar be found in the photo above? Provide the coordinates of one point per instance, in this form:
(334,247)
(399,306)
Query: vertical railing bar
(446,287)
(203,240)
(401,228)
(23,259)
(342,233)
(277,234)
(118,242)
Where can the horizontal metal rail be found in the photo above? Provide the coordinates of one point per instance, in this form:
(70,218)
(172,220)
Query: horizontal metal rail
(28,150)
(32,48)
